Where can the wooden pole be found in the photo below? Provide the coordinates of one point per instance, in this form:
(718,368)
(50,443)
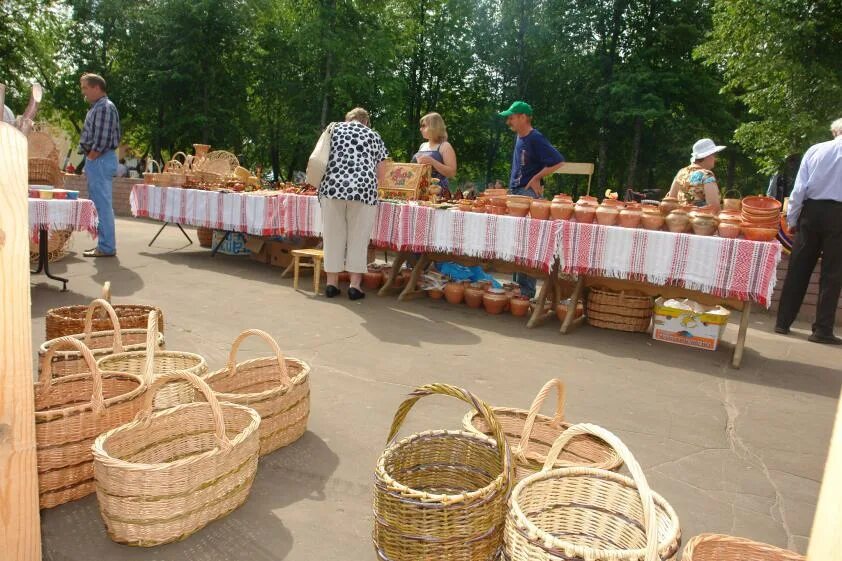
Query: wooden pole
(20,528)
(826,539)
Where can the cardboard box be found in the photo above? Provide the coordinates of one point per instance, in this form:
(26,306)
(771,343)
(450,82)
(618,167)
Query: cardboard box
(701,330)
(280,255)
(258,249)
(235,244)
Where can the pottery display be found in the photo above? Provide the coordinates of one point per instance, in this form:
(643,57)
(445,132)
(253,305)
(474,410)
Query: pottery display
(519,305)
(435,293)
(495,301)
(540,209)
(607,214)
(729,230)
(652,221)
(473,295)
(585,210)
(704,224)
(631,216)
(759,234)
(678,220)
(561,311)
(668,204)
(517,208)
(372,279)
(562,207)
(454,292)
(729,203)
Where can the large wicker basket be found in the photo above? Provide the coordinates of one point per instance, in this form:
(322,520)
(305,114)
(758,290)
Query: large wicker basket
(623,311)
(100,343)
(58,242)
(530,436)
(170,473)
(70,412)
(719,547)
(152,363)
(587,513)
(277,387)
(45,171)
(441,494)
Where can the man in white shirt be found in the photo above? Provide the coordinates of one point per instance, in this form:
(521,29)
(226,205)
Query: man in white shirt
(814,215)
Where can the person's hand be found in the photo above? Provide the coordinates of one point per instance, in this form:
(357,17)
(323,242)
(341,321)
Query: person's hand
(425,160)
(93,155)
(535,185)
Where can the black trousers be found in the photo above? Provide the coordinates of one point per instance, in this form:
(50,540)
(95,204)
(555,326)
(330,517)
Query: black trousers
(819,235)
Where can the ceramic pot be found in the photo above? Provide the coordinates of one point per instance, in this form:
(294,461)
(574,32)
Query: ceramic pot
(729,230)
(668,204)
(587,200)
(473,296)
(519,306)
(561,311)
(435,294)
(630,217)
(517,208)
(562,208)
(372,280)
(704,225)
(584,213)
(540,209)
(607,215)
(494,302)
(678,220)
(454,292)
(652,221)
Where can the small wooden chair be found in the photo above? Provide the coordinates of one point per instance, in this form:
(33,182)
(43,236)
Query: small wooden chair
(317,257)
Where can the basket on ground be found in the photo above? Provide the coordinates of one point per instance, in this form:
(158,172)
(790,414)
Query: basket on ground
(587,513)
(100,343)
(623,311)
(70,412)
(277,387)
(441,494)
(151,363)
(167,474)
(719,547)
(530,436)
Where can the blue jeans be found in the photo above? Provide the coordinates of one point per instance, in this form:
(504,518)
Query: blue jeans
(100,173)
(527,284)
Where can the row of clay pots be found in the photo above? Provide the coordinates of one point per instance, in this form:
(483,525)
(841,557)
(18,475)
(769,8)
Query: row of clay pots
(494,300)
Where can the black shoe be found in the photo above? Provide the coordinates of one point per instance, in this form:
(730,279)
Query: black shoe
(355,293)
(331,291)
(782,330)
(825,339)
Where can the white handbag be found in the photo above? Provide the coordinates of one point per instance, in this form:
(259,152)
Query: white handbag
(317,164)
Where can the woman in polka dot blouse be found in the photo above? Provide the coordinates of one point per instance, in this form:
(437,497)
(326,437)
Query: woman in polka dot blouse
(348,195)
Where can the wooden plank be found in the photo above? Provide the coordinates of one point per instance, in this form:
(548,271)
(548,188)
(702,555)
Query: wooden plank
(826,539)
(20,529)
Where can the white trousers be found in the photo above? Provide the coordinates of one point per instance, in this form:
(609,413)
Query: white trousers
(346,232)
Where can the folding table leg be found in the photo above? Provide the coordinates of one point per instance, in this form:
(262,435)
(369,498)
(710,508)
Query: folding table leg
(741,335)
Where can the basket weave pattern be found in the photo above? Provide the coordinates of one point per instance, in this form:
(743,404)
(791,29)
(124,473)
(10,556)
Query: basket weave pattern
(719,547)
(70,320)
(623,311)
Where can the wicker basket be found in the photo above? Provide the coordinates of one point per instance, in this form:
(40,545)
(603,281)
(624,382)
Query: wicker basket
(623,311)
(45,171)
(151,363)
(587,513)
(205,236)
(719,547)
(441,494)
(70,413)
(539,432)
(277,387)
(100,343)
(170,473)
(70,320)
(58,242)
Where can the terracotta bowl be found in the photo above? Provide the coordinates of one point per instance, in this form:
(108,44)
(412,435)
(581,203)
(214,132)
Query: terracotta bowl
(473,296)
(761,203)
(436,294)
(652,221)
(760,234)
(494,303)
(517,208)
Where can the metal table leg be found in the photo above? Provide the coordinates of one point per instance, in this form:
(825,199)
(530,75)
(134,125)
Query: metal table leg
(189,241)
(222,241)
(44,258)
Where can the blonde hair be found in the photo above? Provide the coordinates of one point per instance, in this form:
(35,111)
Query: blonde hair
(836,127)
(358,114)
(436,127)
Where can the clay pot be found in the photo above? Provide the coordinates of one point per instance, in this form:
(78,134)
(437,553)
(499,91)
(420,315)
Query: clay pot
(372,280)
(607,215)
(517,208)
(587,200)
(540,209)
(494,193)
(435,294)
(630,217)
(652,221)
(519,305)
(584,213)
(668,204)
(473,296)
(678,220)
(495,302)
(729,230)
(562,207)
(704,225)
(613,203)
(561,311)
(454,292)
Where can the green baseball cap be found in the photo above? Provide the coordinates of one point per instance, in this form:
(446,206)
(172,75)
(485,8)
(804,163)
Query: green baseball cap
(517,107)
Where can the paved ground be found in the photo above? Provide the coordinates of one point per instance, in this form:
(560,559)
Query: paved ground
(740,452)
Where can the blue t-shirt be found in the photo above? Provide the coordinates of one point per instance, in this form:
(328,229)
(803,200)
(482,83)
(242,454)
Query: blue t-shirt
(533,153)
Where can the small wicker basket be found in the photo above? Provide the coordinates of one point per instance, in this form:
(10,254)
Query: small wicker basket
(719,547)
(623,311)
(587,513)
(277,387)
(70,412)
(531,435)
(168,474)
(441,494)
(151,364)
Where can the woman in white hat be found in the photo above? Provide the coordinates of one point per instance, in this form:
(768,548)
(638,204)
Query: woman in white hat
(696,184)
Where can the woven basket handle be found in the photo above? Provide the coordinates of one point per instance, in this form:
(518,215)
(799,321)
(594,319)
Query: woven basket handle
(469,398)
(148,371)
(145,414)
(646,499)
(106,291)
(232,356)
(729,191)
(45,379)
(554,384)
(115,323)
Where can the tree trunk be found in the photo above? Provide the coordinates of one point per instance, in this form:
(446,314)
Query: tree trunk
(521,50)
(417,77)
(638,135)
(326,90)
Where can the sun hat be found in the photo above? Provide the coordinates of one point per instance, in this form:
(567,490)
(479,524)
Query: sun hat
(704,148)
(517,107)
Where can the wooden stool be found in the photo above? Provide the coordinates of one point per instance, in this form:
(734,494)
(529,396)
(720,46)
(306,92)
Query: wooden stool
(317,256)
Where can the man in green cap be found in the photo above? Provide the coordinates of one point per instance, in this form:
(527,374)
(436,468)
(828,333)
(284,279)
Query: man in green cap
(534,158)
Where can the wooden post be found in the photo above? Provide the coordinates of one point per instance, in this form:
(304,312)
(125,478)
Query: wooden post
(826,539)
(20,528)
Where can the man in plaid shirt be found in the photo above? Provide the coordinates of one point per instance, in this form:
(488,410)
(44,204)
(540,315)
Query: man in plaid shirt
(100,137)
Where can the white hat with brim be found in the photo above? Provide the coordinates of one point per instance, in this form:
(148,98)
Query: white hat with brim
(704,148)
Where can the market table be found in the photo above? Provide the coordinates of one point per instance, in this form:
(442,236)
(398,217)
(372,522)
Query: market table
(708,269)
(46,215)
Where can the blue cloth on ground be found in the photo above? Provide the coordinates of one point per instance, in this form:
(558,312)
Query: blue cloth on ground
(461,272)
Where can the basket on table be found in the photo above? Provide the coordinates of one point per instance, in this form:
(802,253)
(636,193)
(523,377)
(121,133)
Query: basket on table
(277,387)
(70,412)
(100,343)
(45,171)
(530,436)
(70,320)
(588,513)
(152,363)
(169,473)
(623,311)
(719,547)
(441,494)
